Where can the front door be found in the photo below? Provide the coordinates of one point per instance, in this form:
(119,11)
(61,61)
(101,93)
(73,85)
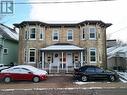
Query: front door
(63,60)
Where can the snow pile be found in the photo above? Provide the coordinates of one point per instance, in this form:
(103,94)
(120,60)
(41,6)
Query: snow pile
(81,83)
(123,76)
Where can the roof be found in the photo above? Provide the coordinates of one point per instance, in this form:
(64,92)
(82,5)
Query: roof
(8,33)
(113,51)
(60,47)
(90,22)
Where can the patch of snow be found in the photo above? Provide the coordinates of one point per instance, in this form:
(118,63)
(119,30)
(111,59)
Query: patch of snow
(9,32)
(81,83)
(122,74)
(62,47)
(124,81)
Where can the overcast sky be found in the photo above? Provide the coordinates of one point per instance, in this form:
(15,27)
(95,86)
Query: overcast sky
(110,12)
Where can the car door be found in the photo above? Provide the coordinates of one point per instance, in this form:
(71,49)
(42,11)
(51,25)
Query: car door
(90,71)
(100,73)
(26,74)
(15,73)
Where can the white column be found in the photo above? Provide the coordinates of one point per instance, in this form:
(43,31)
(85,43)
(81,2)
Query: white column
(62,60)
(81,55)
(43,61)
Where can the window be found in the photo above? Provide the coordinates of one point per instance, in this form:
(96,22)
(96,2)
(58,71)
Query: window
(70,35)
(32,55)
(32,33)
(99,70)
(93,55)
(83,33)
(90,70)
(92,33)
(41,34)
(55,36)
(5,51)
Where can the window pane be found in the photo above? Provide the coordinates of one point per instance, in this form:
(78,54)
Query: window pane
(32,55)
(55,35)
(90,70)
(32,33)
(70,35)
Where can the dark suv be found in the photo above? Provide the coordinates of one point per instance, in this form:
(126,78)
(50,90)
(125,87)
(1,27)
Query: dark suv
(89,72)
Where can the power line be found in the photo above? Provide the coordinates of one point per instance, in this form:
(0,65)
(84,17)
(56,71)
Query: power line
(119,30)
(62,2)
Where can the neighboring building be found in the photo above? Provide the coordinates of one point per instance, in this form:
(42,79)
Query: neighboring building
(59,47)
(117,57)
(111,43)
(8,45)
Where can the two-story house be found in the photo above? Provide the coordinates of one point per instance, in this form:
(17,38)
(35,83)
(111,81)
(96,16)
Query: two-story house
(64,47)
(8,45)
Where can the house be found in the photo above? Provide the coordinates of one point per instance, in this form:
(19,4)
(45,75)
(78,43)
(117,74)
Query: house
(117,57)
(8,45)
(57,47)
(111,43)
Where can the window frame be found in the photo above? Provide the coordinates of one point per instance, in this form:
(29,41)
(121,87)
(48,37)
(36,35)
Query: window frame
(55,31)
(95,56)
(32,49)
(30,33)
(5,53)
(92,38)
(70,30)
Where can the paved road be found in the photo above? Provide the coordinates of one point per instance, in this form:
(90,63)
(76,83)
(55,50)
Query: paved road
(61,85)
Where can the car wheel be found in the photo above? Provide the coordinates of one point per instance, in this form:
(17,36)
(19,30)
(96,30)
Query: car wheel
(7,79)
(112,78)
(84,78)
(36,79)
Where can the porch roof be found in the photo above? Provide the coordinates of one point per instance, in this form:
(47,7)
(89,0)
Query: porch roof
(62,48)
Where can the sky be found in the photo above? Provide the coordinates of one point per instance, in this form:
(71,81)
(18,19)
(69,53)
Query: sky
(108,11)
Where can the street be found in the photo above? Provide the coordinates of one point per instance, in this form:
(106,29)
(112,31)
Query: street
(63,85)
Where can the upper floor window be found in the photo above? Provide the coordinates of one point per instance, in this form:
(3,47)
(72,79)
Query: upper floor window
(55,35)
(93,55)
(32,55)
(70,35)
(92,33)
(32,33)
(41,34)
(83,33)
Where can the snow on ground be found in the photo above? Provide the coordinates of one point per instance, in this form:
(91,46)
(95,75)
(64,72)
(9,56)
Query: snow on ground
(81,83)
(123,76)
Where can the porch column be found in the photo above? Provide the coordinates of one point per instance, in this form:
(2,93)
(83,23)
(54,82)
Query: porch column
(43,60)
(62,60)
(81,55)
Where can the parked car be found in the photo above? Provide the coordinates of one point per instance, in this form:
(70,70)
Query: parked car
(4,67)
(23,72)
(89,72)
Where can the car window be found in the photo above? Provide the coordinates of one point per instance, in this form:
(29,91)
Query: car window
(90,70)
(24,70)
(15,70)
(82,69)
(99,70)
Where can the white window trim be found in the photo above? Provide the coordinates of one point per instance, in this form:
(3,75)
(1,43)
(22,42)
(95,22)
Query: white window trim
(30,33)
(55,31)
(43,34)
(4,52)
(72,35)
(94,32)
(29,57)
(93,49)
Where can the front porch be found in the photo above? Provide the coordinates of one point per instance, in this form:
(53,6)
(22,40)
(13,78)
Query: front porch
(62,58)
